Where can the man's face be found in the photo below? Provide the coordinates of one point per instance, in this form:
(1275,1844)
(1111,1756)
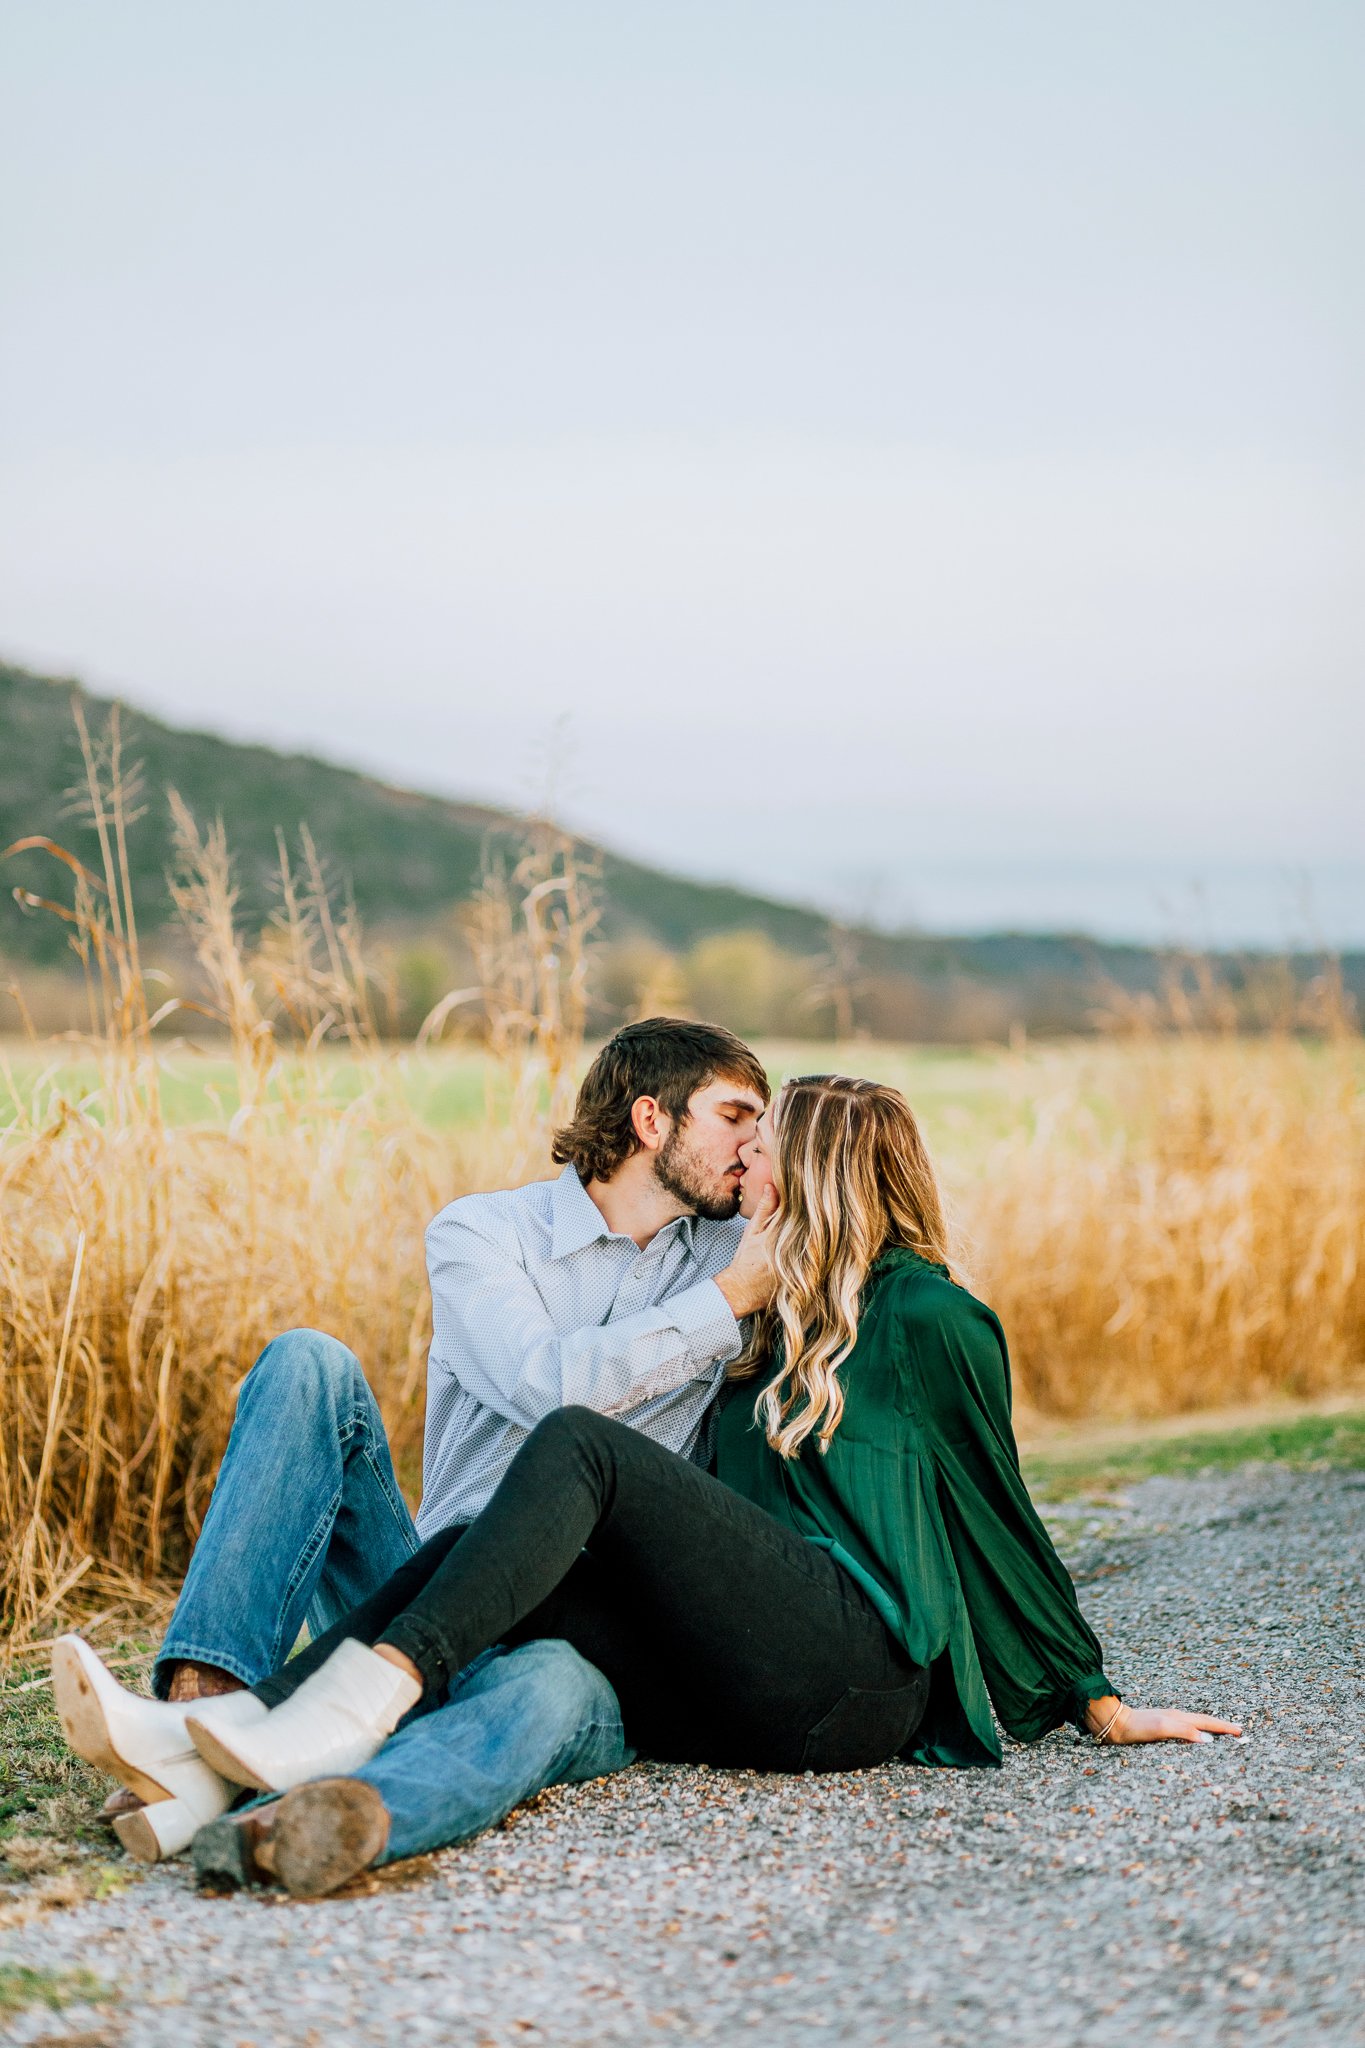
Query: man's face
(699,1160)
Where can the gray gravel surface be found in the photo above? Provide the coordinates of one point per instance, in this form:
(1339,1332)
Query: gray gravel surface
(1191,1894)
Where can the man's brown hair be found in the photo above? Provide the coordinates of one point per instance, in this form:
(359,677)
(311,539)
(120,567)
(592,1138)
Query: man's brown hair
(666,1057)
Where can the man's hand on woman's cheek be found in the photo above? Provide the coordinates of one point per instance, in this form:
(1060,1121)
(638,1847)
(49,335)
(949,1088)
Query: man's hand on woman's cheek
(749,1281)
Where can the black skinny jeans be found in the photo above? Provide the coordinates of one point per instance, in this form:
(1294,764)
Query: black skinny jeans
(728,1638)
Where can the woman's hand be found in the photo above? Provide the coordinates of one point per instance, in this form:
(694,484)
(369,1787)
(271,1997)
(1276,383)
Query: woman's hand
(1154,1724)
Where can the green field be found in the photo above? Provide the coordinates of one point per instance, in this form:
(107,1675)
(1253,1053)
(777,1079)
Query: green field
(444,1089)
(966,1096)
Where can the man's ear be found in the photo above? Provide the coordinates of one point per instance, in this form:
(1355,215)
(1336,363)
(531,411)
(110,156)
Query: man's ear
(650,1123)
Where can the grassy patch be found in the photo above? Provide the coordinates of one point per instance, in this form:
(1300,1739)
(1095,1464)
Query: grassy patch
(21,1986)
(45,1793)
(1305,1441)
(48,1797)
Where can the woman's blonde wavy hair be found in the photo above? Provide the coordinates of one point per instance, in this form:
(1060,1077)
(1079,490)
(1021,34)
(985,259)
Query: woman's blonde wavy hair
(853,1176)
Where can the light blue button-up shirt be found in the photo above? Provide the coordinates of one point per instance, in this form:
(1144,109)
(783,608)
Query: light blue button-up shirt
(536,1304)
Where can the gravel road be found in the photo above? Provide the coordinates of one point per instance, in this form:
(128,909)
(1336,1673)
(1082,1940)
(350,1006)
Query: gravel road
(1192,1894)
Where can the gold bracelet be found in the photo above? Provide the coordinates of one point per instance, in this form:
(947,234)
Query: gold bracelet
(1101,1733)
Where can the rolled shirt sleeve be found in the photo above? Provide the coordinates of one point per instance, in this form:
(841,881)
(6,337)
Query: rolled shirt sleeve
(492,1331)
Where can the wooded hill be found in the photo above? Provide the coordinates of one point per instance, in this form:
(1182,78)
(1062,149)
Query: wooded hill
(409,860)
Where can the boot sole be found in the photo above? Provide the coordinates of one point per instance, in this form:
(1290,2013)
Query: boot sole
(220,1758)
(326,1833)
(86,1727)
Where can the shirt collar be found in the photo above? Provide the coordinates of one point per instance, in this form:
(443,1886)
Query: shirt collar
(577,1221)
(576,1218)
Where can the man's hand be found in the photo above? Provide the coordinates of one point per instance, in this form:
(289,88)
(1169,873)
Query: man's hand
(749,1282)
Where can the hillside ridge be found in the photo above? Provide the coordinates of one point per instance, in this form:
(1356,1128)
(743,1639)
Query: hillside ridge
(410,858)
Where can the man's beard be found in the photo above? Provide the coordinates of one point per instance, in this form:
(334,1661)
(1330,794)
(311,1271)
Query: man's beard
(681,1172)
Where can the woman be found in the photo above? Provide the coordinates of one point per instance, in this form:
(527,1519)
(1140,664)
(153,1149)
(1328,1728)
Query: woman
(860,1571)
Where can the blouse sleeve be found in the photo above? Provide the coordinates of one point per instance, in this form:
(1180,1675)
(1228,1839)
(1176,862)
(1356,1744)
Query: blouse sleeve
(1040,1658)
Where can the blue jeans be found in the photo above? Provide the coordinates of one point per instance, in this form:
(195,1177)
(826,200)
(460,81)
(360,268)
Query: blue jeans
(306,1521)
(514,1722)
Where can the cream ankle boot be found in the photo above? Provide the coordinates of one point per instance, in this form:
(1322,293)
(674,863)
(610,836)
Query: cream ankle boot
(144,1743)
(332,1725)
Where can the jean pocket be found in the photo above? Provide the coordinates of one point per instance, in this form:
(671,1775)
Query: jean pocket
(863,1728)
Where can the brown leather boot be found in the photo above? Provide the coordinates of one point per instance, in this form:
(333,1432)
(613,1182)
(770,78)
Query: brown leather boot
(118,1803)
(201,1682)
(311,1841)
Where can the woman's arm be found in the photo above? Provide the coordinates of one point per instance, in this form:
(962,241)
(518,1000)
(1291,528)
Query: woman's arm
(1112,1721)
(1040,1658)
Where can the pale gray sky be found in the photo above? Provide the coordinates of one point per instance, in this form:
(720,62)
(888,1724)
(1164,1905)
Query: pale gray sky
(918,450)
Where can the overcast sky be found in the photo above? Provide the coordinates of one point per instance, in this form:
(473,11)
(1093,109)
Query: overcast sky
(907,456)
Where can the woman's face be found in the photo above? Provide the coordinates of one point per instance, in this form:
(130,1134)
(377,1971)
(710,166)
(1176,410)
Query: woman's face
(757,1160)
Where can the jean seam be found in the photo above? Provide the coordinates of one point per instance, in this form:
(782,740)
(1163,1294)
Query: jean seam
(303,1565)
(580,1738)
(811,1574)
(387,1483)
(359,1424)
(197,1654)
(356,1424)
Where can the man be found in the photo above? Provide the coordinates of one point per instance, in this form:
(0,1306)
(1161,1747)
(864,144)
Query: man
(619,1286)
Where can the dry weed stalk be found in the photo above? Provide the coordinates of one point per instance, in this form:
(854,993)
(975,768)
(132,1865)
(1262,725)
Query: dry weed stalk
(531,931)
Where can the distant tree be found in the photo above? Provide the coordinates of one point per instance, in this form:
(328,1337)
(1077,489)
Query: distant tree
(746,981)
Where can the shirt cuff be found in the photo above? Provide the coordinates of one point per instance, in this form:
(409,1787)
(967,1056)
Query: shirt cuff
(1095,1686)
(708,1325)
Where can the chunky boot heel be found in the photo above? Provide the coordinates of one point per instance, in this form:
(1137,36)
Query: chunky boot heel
(232,1853)
(152,1833)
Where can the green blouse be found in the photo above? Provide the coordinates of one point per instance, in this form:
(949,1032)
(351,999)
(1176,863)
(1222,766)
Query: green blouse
(919,1497)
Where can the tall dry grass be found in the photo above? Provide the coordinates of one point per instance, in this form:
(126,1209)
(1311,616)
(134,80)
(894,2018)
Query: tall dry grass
(1175,1222)
(1192,1237)
(143,1264)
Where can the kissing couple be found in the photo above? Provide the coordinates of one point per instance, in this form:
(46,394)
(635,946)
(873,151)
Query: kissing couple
(719,1469)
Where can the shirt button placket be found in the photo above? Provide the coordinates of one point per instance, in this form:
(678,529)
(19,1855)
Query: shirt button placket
(634,1290)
